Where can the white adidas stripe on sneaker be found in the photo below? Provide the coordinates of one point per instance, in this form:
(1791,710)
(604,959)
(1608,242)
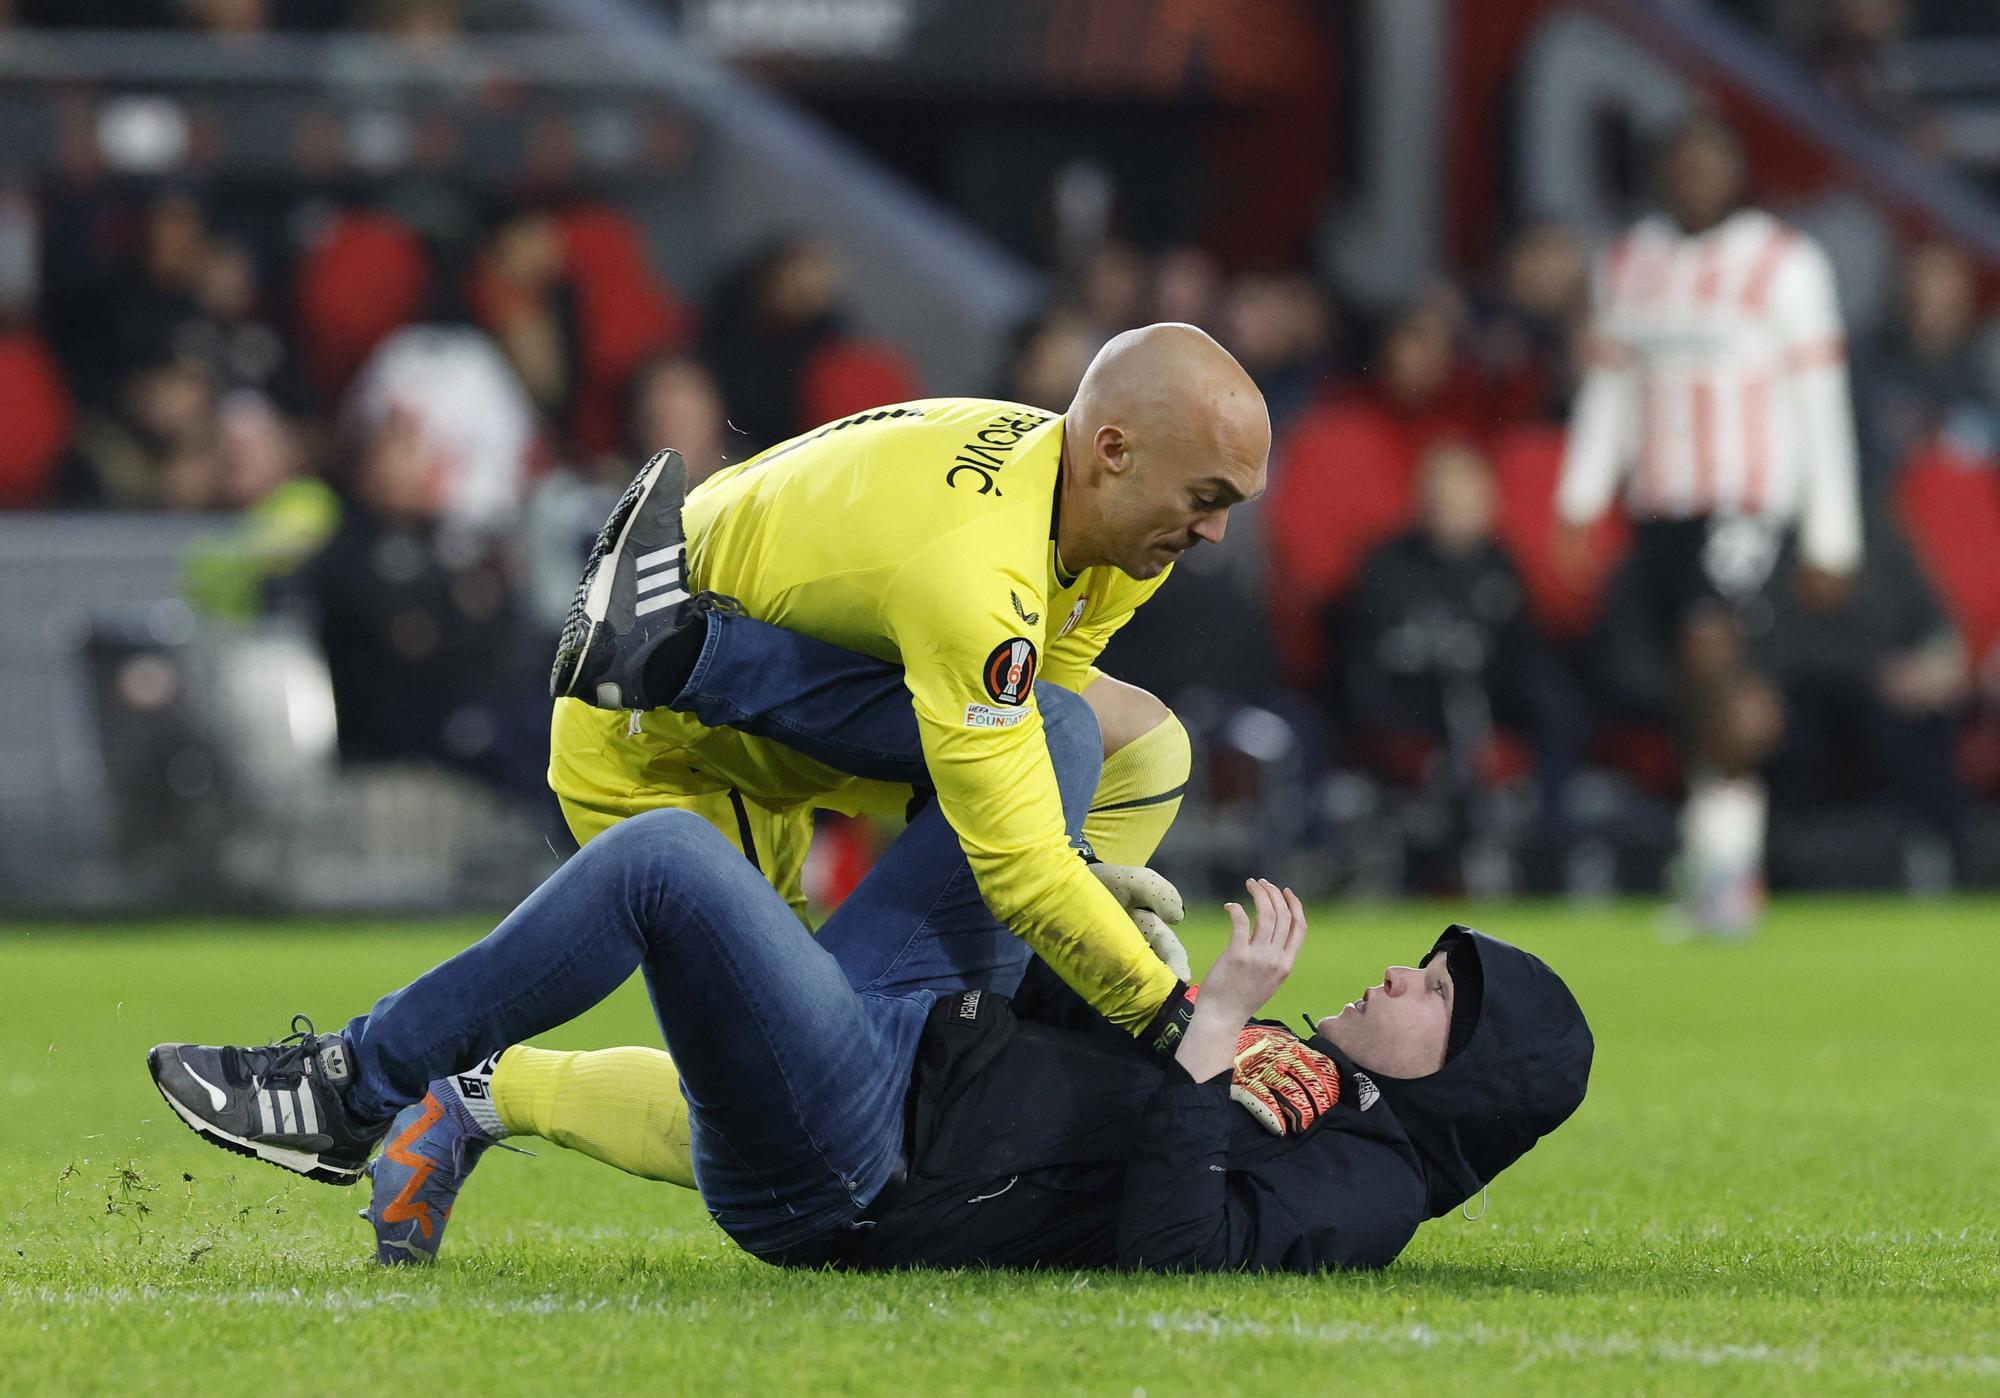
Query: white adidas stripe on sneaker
(660,558)
(661,569)
(652,604)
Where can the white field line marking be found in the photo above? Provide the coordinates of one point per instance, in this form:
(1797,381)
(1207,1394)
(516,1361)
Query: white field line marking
(1536,1343)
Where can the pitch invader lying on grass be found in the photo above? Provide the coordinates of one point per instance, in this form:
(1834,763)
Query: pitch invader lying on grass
(871,1098)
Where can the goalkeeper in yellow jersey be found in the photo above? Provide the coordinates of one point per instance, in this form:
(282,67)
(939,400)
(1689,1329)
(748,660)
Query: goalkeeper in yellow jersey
(980,545)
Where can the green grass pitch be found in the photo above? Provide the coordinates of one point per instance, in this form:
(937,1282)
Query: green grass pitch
(1784,1180)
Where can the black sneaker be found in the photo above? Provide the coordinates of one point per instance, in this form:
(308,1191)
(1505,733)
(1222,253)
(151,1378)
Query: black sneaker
(634,592)
(283,1103)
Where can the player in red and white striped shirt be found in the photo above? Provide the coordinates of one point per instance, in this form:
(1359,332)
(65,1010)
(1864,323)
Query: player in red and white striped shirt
(1717,395)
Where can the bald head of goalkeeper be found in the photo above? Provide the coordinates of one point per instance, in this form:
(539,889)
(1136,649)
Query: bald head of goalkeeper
(1166,434)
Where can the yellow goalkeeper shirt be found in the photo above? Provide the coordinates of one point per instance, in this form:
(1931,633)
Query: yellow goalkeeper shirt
(920,534)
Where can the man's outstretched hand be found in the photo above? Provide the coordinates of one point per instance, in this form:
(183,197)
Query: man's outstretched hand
(1260,953)
(1259,956)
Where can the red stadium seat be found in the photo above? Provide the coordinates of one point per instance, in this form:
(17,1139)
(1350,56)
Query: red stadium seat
(366,276)
(843,851)
(845,376)
(1410,759)
(1527,463)
(625,315)
(1342,483)
(35,405)
(1647,753)
(1950,504)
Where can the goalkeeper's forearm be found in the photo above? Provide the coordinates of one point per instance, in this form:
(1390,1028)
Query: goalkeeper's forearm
(1053,903)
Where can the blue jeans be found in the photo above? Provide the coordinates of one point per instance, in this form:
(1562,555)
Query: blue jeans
(794,1052)
(847,710)
(854,714)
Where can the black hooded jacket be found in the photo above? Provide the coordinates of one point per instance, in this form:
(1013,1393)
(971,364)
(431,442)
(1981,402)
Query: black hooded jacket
(1033,1144)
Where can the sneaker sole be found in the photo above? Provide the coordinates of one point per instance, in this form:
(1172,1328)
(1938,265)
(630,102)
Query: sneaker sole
(299,1162)
(604,577)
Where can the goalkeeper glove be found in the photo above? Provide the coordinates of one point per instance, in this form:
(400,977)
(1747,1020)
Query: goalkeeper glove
(1153,903)
(1284,1083)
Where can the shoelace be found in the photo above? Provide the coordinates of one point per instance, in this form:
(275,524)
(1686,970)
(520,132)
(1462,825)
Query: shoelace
(287,1059)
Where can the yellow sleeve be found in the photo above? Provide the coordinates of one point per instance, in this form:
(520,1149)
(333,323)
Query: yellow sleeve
(1072,659)
(970,670)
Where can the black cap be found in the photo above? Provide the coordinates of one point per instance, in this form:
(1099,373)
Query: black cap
(1468,988)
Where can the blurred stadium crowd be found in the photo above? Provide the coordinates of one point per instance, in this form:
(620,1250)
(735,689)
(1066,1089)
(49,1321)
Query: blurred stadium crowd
(1861,54)
(418,405)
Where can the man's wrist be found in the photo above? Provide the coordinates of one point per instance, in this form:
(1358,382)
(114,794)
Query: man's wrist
(1208,1049)
(1222,1008)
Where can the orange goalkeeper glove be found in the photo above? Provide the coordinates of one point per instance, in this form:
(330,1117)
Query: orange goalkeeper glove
(1281,1081)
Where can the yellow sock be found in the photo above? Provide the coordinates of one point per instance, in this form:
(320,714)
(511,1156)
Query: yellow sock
(1139,794)
(622,1106)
